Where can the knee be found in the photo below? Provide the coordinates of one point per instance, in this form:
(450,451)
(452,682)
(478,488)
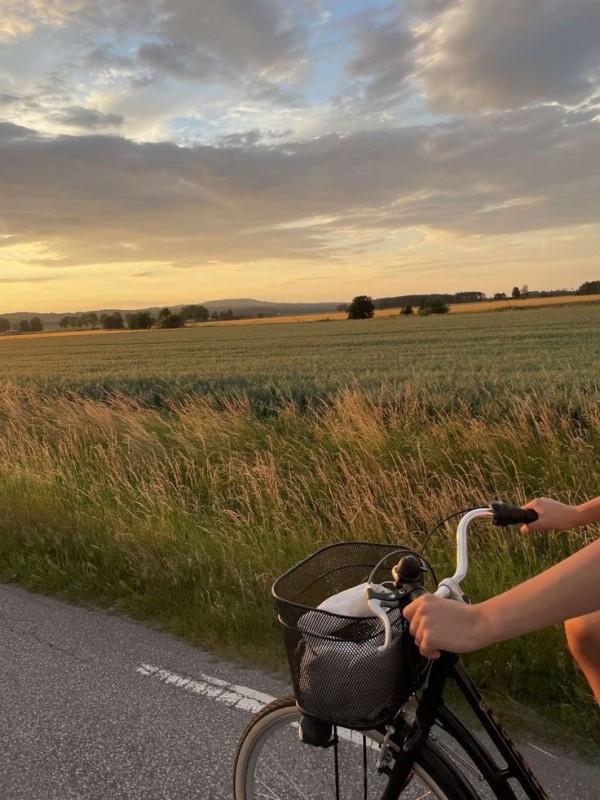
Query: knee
(583,637)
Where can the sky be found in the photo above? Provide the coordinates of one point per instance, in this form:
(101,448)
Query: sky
(156,152)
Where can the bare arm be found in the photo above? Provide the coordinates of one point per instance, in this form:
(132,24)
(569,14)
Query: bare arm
(568,589)
(558,516)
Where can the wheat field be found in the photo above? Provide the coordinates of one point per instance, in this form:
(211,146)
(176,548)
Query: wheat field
(172,475)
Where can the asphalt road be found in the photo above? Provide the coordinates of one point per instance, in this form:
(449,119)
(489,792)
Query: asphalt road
(97,707)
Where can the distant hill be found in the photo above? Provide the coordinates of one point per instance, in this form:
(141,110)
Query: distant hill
(243,307)
(250,307)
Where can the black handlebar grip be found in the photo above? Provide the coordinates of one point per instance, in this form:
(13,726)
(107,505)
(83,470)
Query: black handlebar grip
(506,514)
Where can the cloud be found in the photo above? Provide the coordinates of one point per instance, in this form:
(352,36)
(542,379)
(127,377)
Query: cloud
(250,138)
(33,279)
(499,54)
(23,17)
(474,55)
(90,118)
(179,59)
(91,198)
(8,99)
(383,61)
(266,36)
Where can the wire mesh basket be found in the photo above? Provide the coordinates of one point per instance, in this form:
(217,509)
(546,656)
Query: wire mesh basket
(338,672)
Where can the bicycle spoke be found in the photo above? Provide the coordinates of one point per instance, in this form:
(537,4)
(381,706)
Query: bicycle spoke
(283,768)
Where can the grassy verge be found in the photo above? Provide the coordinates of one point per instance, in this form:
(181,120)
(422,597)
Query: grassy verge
(184,516)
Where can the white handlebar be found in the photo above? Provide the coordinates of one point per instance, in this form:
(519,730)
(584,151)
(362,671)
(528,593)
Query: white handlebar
(450,587)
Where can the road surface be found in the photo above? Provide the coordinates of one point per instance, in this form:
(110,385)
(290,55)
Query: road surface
(97,707)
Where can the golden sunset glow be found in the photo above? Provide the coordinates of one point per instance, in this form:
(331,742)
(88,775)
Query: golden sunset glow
(178,152)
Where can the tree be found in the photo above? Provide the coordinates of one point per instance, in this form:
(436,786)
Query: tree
(499,296)
(35,324)
(4,325)
(139,322)
(524,292)
(361,307)
(589,287)
(24,326)
(434,305)
(406,310)
(469,297)
(516,293)
(194,313)
(170,321)
(145,320)
(112,322)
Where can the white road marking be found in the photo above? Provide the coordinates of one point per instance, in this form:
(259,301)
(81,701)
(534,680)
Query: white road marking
(234,696)
(545,752)
(231,694)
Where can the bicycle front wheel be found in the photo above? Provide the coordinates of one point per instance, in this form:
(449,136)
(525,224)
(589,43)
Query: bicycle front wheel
(271,762)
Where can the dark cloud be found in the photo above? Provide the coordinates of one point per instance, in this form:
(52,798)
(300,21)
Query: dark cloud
(9,133)
(8,99)
(89,118)
(499,54)
(245,35)
(475,55)
(256,44)
(180,60)
(384,63)
(251,138)
(496,174)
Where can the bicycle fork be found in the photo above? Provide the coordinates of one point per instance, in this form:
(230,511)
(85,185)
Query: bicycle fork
(410,745)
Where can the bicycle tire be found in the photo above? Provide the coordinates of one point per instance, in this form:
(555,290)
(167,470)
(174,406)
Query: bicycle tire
(434,775)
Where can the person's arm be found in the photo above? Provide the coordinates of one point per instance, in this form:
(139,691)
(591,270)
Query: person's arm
(568,589)
(553,515)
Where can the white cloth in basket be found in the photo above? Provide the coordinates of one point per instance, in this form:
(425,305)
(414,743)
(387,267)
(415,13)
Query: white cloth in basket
(354,602)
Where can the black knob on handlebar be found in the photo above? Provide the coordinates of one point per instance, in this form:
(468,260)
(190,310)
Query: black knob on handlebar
(506,514)
(408,570)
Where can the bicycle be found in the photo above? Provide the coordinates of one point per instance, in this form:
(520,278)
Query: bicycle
(379,742)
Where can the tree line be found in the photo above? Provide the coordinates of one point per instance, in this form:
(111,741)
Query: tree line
(517,293)
(143,320)
(361,307)
(364,307)
(32,325)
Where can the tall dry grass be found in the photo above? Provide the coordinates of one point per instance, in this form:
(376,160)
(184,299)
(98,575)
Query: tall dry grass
(184,516)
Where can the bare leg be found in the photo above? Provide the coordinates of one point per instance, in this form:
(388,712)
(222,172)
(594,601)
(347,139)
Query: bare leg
(583,637)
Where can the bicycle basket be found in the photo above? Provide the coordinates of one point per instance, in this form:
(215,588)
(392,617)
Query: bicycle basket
(338,673)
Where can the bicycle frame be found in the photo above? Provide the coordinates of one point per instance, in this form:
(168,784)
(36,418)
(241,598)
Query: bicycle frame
(432,709)
(497,777)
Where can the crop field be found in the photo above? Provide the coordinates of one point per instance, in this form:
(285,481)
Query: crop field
(171,475)
(478,358)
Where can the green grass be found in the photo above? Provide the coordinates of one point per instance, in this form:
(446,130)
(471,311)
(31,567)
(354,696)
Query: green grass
(183,512)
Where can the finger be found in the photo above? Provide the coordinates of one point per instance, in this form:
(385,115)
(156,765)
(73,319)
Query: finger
(429,653)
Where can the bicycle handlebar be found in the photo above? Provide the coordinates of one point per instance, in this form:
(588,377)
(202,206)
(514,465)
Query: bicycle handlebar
(501,514)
